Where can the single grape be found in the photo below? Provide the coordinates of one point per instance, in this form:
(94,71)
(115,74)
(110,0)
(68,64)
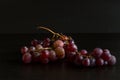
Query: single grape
(52,55)
(106,56)
(39,46)
(44,54)
(78,59)
(27,58)
(97,52)
(99,62)
(36,56)
(60,52)
(71,41)
(24,49)
(46,42)
(71,56)
(92,62)
(40,42)
(86,62)
(66,49)
(106,50)
(32,49)
(83,52)
(34,42)
(58,43)
(71,48)
(105,63)
(112,60)
(44,61)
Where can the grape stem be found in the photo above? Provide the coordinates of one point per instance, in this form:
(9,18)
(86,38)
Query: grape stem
(43,49)
(88,56)
(54,33)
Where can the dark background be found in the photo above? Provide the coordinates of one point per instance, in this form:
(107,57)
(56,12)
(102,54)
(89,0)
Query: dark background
(86,16)
(74,17)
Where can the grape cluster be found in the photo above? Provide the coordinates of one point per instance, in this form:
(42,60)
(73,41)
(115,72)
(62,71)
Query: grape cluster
(98,57)
(63,47)
(43,51)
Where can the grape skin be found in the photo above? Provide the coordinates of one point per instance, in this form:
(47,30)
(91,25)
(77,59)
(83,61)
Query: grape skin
(106,56)
(92,62)
(71,56)
(78,59)
(83,52)
(71,48)
(60,52)
(44,56)
(99,62)
(58,43)
(24,49)
(106,50)
(34,42)
(39,46)
(27,58)
(112,60)
(32,48)
(35,56)
(86,62)
(97,52)
(52,55)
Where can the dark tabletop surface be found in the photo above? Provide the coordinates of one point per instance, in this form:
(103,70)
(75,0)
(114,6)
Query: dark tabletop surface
(11,67)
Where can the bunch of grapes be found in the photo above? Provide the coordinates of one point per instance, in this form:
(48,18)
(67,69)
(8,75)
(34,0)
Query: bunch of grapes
(44,51)
(63,47)
(98,57)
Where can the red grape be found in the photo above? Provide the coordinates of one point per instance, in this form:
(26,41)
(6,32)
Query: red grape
(105,62)
(71,48)
(32,49)
(46,42)
(99,62)
(106,50)
(112,60)
(71,56)
(92,62)
(39,46)
(106,56)
(78,59)
(27,57)
(71,41)
(36,56)
(34,42)
(45,60)
(86,62)
(24,49)
(52,55)
(58,43)
(97,52)
(60,52)
(44,54)
(83,52)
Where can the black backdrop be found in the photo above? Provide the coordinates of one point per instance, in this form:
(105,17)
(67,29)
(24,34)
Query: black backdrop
(86,16)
